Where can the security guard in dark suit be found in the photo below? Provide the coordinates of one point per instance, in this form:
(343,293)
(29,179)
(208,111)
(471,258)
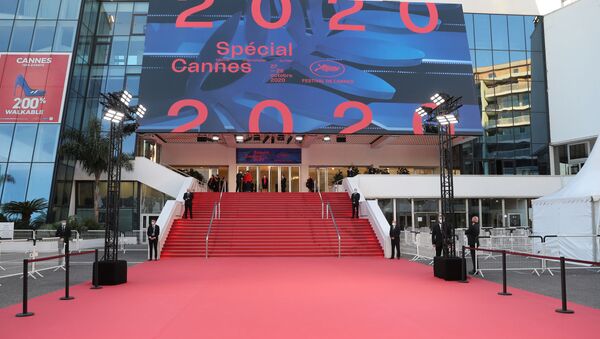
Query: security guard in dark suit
(188,198)
(395,238)
(472,234)
(437,237)
(153,233)
(355,202)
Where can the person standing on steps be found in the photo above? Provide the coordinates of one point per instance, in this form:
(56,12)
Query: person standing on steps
(472,234)
(264,182)
(283,183)
(188,198)
(238,181)
(310,184)
(395,238)
(153,232)
(355,203)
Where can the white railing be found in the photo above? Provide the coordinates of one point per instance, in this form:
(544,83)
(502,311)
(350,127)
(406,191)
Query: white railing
(173,209)
(215,213)
(379,224)
(322,206)
(337,230)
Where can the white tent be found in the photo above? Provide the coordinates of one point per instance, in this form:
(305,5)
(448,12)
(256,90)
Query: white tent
(573,213)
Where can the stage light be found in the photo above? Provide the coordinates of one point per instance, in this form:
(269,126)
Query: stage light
(215,138)
(239,138)
(327,138)
(341,139)
(126,97)
(113,116)
(438,99)
(140,111)
(448,119)
(299,138)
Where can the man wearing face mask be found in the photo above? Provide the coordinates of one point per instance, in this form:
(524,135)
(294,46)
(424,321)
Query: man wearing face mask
(437,236)
(395,238)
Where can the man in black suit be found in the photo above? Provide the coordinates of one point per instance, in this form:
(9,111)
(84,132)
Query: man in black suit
(472,234)
(283,183)
(188,198)
(63,233)
(238,181)
(355,203)
(437,237)
(395,238)
(153,232)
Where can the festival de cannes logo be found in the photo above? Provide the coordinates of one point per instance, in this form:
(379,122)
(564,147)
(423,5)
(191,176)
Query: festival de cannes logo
(327,68)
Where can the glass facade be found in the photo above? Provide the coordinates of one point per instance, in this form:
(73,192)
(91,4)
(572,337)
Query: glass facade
(510,79)
(28,151)
(107,41)
(492,212)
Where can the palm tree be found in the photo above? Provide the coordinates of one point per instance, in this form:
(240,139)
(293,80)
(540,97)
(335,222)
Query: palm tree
(25,209)
(91,148)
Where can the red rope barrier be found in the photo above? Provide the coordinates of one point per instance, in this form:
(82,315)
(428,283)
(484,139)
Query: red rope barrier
(531,255)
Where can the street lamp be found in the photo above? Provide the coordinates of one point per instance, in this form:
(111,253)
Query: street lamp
(119,113)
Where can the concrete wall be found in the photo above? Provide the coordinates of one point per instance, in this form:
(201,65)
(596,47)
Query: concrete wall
(573,54)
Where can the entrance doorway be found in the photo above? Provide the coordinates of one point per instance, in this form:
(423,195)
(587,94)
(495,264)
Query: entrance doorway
(290,175)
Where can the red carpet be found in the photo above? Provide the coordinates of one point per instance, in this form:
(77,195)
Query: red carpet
(296,298)
(271,225)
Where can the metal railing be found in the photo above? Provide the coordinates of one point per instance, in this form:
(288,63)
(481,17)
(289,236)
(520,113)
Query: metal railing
(337,230)
(212,218)
(221,198)
(322,206)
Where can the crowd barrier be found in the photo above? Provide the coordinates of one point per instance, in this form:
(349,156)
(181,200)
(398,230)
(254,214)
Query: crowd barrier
(504,253)
(26,274)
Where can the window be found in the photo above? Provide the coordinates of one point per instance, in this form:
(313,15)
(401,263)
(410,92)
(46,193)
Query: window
(43,36)
(40,181)
(23,141)
(5,30)
(49,9)
(16,191)
(578,151)
(8,9)
(27,9)
(6,134)
(65,36)
(85,194)
(138,26)
(21,36)
(46,143)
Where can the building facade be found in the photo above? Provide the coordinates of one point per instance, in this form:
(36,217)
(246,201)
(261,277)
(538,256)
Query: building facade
(106,40)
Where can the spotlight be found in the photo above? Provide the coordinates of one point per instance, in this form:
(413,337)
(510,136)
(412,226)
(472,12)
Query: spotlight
(299,138)
(327,138)
(239,138)
(202,139)
(215,138)
(126,97)
(341,139)
(280,137)
(113,116)
(448,119)
(140,111)
(423,111)
(438,99)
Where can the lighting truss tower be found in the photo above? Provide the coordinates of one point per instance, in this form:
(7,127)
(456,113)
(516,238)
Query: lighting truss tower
(442,118)
(118,112)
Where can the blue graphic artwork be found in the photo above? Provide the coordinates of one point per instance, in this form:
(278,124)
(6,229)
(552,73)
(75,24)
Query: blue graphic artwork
(302,75)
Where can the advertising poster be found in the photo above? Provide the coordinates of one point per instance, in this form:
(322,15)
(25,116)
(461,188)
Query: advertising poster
(33,86)
(303,66)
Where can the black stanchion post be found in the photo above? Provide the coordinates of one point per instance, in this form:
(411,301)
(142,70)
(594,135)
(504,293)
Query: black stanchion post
(504,291)
(25,313)
(464,267)
(563,288)
(95,285)
(67,269)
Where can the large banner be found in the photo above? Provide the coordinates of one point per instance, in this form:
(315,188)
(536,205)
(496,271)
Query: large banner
(33,87)
(303,66)
(268,156)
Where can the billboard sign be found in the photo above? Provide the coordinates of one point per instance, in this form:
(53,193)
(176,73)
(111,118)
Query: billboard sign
(268,156)
(33,87)
(303,66)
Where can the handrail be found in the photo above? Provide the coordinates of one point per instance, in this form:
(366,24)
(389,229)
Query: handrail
(221,198)
(322,206)
(337,230)
(178,171)
(212,217)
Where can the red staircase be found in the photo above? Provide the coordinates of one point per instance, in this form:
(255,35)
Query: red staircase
(271,224)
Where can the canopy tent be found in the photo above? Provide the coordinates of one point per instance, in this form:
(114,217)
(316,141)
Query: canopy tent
(573,214)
